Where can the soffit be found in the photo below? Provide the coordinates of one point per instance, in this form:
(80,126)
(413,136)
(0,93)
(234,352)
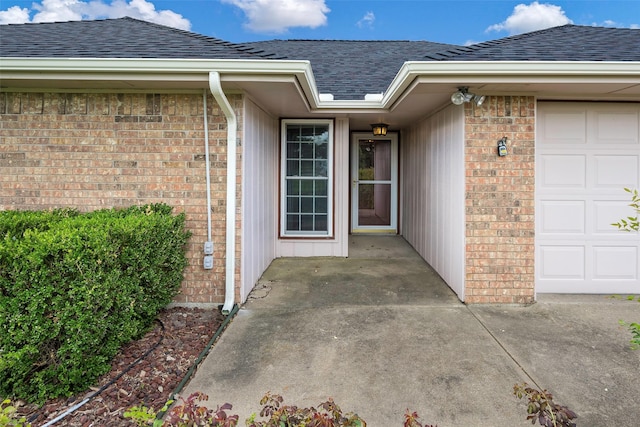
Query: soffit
(424,98)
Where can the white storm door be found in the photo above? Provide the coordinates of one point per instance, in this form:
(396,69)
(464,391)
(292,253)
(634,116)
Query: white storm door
(374,183)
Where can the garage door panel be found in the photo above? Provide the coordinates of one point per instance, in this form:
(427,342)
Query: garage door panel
(562,262)
(568,171)
(606,287)
(603,269)
(563,126)
(606,212)
(562,217)
(615,171)
(580,193)
(615,262)
(616,125)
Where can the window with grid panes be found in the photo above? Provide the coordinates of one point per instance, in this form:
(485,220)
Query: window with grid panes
(307,177)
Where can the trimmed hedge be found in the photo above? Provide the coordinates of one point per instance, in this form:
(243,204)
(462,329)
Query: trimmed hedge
(75,287)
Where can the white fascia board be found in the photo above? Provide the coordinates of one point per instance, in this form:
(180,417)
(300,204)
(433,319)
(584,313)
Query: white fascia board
(521,67)
(153,65)
(152,69)
(508,71)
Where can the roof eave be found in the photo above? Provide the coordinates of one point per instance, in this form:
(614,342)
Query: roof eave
(479,72)
(194,70)
(176,70)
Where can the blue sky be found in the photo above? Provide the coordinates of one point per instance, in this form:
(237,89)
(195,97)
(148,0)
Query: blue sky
(451,21)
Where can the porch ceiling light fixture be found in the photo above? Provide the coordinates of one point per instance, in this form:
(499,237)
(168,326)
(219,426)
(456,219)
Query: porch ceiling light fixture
(463,95)
(379,129)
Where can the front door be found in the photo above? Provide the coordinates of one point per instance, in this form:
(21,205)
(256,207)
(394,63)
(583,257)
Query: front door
(374,183)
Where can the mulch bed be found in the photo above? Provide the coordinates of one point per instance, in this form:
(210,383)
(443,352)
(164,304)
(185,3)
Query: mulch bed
(187,331)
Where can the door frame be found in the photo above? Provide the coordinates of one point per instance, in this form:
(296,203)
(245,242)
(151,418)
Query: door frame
(354,181)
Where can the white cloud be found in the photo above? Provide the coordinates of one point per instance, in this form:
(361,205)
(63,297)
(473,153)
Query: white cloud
(612,23)
(57,10)
(367,20)
(532,17)
(14,15)
(76,10)
(277,16)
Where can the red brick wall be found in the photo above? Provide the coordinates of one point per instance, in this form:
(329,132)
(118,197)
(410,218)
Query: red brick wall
(100,150)
(499,197)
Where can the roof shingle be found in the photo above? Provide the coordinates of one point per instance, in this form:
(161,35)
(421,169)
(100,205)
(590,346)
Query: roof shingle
(348,69)
(563,43)
(114,38)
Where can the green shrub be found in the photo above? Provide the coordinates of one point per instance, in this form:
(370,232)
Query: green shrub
(74,288)
(13,224)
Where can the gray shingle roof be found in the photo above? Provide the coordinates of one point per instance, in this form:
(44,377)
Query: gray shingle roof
(563,43)
(114,38)
(350,69)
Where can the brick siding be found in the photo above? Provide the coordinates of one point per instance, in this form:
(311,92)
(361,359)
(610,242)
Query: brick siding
(102,150)
(500,201)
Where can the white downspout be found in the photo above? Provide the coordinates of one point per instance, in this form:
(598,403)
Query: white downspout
(232,126)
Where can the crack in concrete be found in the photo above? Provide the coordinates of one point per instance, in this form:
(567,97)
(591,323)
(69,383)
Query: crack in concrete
(503,347)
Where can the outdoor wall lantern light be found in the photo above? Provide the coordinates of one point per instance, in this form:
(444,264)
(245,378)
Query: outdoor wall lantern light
(379,129)
(463,95)
(502,146)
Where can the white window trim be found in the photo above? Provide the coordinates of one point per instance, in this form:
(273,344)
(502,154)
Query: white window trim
(283,181)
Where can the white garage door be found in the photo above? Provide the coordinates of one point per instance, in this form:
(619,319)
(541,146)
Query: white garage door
(586,153)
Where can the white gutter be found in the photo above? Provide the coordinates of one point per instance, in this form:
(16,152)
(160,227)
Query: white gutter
(232,126)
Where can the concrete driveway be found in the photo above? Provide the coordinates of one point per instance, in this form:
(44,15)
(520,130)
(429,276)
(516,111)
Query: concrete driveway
(380,332)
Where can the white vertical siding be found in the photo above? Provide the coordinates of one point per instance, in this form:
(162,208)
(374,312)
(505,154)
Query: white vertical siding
(259,195)
(339,245)
(432,193)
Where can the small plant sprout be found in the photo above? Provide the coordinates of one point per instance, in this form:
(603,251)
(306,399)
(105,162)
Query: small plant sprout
(142,416)
(278,414)
(8,416)
(634,328)
(411,420)
(543,409)
(630,223)
(190,413)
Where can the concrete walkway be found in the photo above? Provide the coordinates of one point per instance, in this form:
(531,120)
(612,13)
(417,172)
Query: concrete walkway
(380,332)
